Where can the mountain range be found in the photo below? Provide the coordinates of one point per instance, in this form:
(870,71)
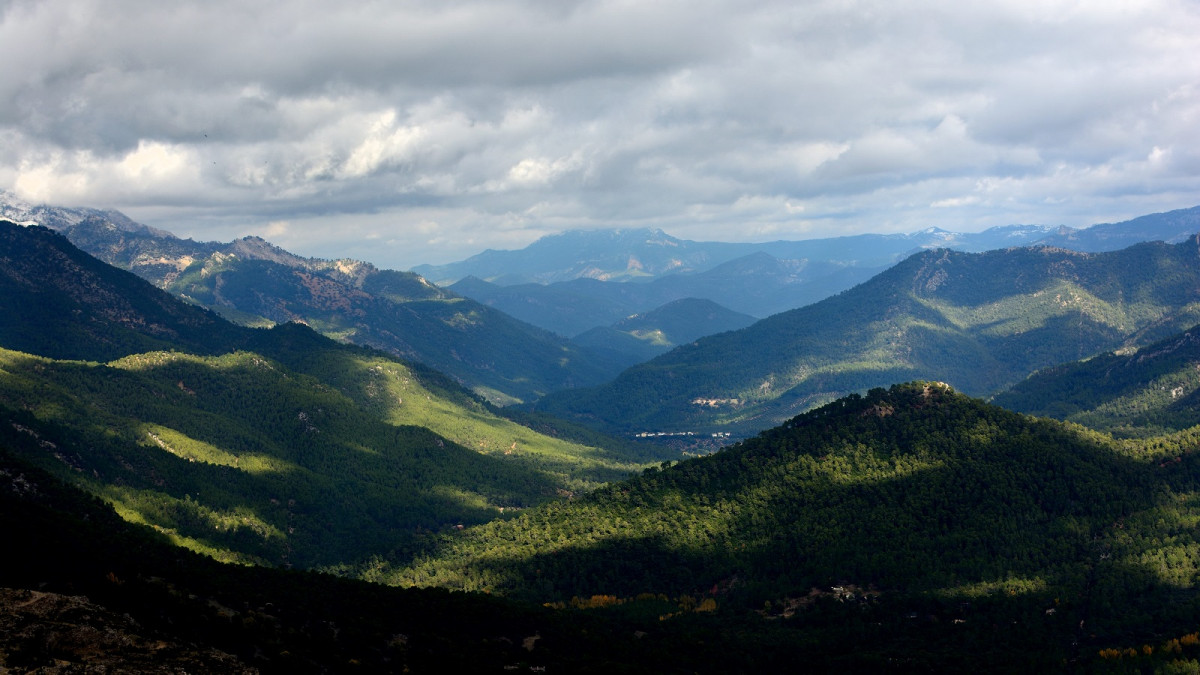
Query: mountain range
(633,254)
(978,321)
(556,283)
(253,282)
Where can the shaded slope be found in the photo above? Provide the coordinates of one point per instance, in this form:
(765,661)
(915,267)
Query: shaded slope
(92,592)
(58,301)
(977,321)
(567,308)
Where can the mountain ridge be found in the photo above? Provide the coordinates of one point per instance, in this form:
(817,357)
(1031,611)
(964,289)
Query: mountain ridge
(980,321)
(255,282)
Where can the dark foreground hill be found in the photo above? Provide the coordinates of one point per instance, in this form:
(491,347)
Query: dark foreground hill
(83,591)
(916,501)
(862,490)
(980,322)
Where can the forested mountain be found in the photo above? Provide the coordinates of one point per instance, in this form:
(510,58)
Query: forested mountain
(252,282)
(83,591)
(58,301)
(644,336)
(1151,391)
(910,529)
(912,523)
(276,446)
(980,322)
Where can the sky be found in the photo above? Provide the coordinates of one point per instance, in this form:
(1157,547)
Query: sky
(424,131)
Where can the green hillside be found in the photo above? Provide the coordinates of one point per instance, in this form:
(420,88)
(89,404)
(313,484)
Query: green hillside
(980,322)
(910,529)
(277,446)
(916,499)
(241,457)
(1142,393)
(83,591)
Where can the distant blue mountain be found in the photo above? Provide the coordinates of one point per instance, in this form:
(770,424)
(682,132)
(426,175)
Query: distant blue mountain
(644,254)
(563,282)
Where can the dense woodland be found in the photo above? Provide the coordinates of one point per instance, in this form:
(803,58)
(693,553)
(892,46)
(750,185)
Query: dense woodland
(811,541)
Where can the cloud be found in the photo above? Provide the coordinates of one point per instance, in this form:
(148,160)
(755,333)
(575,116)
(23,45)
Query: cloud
(434,129)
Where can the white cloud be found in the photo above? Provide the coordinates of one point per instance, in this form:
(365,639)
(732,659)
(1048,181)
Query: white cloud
(441,126)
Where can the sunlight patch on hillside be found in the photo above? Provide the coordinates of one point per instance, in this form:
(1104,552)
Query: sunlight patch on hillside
(1018,314)
(192,450)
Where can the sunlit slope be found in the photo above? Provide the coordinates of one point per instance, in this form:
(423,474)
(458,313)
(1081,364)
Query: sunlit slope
(978,321)
(242,457)
(277,446)
(916,491)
